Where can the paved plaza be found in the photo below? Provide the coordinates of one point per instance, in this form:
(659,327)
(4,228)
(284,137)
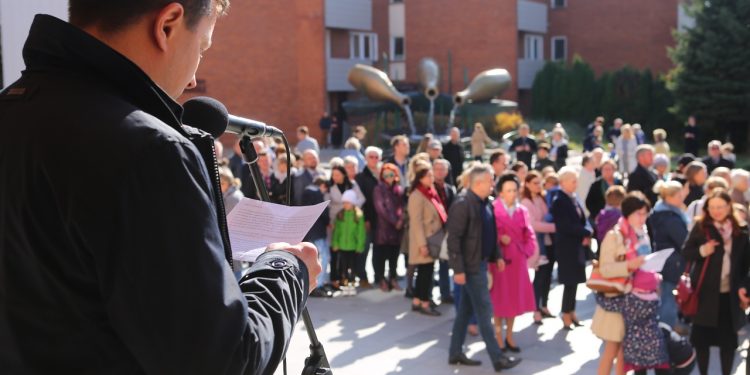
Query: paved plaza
(376,333)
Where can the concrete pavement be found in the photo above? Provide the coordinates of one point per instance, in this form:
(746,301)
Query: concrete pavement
(376,333)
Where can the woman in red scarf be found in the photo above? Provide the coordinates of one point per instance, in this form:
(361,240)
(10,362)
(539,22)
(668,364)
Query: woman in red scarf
(427,216)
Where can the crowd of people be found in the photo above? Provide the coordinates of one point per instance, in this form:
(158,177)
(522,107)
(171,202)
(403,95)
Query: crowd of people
(492,217)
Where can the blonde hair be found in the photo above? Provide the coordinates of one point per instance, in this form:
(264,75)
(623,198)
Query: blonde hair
(626,132)
(226,175)
(667,189)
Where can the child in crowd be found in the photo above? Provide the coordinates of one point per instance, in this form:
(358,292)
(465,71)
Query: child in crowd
(348,239)
(611,213)
(542,157)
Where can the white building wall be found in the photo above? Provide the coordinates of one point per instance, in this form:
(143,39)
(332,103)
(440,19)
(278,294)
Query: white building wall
(15,21)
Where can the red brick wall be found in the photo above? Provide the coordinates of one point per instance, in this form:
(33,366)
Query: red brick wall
(340,43)
(267,62)
(611,33)
(380,26)
(480,35)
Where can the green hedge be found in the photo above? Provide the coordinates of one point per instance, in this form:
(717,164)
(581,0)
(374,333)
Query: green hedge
(571,92)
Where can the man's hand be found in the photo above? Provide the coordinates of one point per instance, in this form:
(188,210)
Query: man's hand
(744,299)
(459,278)
(501,265)
(368,226)
(586,241)
(307,253)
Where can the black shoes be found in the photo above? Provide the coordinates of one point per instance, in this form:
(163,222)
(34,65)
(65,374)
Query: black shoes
(462,359)
(446,299)
(505,363)
(511,348)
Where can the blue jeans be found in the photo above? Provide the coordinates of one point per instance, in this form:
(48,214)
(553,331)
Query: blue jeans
(324,252)
(457,302)
(475,298)
(668,309)
(444,279)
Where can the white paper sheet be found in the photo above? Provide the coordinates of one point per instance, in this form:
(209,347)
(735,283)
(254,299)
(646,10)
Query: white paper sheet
(655,261)
(253,225)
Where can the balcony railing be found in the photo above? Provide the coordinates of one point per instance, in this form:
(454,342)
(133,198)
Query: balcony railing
(349,14)
(527,70)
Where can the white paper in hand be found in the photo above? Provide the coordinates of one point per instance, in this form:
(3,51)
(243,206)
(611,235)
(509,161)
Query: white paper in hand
(253,225)
(655,261)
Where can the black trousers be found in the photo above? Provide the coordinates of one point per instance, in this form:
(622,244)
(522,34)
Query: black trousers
(382,254)
(569,298)
(362,260)
(347,264)
(543,280)
(424,284)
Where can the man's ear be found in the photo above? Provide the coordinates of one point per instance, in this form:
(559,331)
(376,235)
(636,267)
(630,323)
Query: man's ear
(167,23)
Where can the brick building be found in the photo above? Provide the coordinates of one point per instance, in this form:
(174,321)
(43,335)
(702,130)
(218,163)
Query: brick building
(286,61)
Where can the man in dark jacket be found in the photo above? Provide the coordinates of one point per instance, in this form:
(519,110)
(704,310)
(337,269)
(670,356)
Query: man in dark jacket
(524,146)
(314,194)
(130,277)
(471,245)
(306,175)
(447,193)
(642,178)
(714,159)
(454,153)
(367,180)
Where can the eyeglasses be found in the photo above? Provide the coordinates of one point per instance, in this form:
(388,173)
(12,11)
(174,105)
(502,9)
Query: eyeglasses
(373,157)
(389,175)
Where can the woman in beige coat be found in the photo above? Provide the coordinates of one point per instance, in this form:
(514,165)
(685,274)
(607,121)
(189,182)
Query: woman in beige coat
(609,326)
(479,141)
(426,217)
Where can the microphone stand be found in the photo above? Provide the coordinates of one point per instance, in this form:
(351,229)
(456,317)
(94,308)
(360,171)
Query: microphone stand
(317,362)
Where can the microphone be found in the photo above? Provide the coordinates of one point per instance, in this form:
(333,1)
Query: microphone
(210,115)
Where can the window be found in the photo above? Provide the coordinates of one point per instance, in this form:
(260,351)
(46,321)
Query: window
(558,3)
(397,48)
(363,46)
(533,47)
(559,48)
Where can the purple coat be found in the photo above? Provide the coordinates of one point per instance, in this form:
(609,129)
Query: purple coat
(389,207)
(605,221)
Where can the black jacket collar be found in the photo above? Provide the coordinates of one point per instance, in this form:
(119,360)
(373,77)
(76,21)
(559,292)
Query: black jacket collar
(55,45)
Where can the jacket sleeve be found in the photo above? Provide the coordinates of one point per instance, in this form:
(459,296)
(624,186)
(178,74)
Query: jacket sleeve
(677,233)
(538,225)
(566,219)
(609,266)
(360,196)
(458,221)
(379,201)
(416,220)
(530,245)
(361,234)
(592,196)
(171,296)
(696,239)
(338,229)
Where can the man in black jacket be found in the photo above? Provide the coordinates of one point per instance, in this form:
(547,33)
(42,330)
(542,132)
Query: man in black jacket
(471,244)
(714,159)
(642,178)
(367,180)
(453,151)
(131,276)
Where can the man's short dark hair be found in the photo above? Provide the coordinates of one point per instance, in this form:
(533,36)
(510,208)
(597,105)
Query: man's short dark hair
(496,155)
(113,15)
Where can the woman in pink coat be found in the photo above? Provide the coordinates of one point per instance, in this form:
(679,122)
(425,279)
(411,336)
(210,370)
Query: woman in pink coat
(511,291)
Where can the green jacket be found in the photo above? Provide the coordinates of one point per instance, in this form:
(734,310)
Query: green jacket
(349,231)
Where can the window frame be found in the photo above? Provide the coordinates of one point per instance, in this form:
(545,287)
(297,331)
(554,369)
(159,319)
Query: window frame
(402,56)
(553,55)
(553,4)
(359,51)
(528,41)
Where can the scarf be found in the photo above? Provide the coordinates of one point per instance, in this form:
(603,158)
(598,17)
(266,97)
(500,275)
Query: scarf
(638,244)
(725,230)
(431,194)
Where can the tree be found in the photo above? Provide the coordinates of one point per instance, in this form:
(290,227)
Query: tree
(711,78)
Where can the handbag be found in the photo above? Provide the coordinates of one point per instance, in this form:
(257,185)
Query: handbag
(601,284)
(435,243)
(687,297)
